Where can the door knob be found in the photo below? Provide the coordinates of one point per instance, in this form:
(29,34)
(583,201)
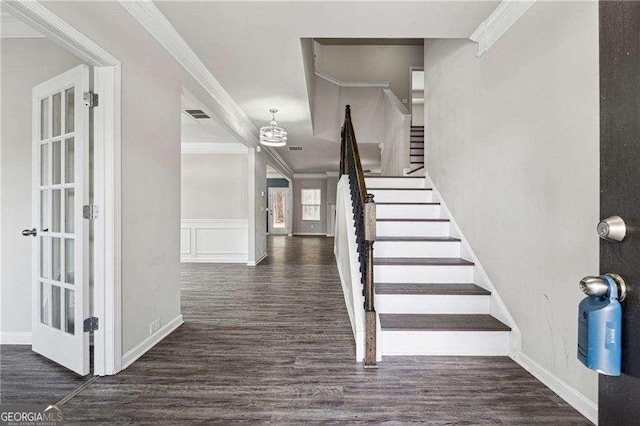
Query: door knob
(33,232)
(612,229)
(597,286)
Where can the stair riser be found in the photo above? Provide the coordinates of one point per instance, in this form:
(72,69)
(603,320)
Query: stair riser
(394,183)
(429,274)
(417,249)
(461,343)
(412,229)
(431,304)
(401,196)
(407,211)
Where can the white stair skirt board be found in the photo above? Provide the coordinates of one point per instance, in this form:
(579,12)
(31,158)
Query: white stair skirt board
(423,274)
(417,248)
(412,229)
(460,343)
(432,304)
(401,195)
(391,182)
(15,338)
(140,349)
(408,211)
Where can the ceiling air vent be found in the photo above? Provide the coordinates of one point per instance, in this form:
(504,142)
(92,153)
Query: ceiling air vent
(295,148)
(198,114)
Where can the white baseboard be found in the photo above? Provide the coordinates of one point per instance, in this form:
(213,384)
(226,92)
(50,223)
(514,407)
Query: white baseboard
(572,396)
(260,259)
(316,234)
(15,338)
(140,349)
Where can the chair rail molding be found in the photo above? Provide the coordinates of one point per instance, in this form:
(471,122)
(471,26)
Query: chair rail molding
(498,23)
(214,240)
(152,19)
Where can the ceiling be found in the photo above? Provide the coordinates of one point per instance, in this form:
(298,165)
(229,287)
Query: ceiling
(206,130)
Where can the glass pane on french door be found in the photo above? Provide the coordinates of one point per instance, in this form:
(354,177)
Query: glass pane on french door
(57,211)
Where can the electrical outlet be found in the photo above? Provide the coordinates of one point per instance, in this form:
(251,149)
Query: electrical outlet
(404,101)
(154,326)
(311,226)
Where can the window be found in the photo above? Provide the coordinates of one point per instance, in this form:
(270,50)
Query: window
(311,204)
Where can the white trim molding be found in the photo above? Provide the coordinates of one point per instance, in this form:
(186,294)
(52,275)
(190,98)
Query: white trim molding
(260,259)
(213,148)
(141,348)
(10,27)
(572,396)
(496,25)
(152,19)
(214,240)
(15,338)
(380,84)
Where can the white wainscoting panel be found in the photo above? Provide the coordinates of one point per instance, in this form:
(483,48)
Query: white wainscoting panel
(214,240)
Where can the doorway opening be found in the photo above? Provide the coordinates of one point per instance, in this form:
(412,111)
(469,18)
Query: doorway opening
(60,275)
(279,203)
(417,96)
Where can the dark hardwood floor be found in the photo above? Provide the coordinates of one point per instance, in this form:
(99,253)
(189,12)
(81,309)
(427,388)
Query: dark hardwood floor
(273,344)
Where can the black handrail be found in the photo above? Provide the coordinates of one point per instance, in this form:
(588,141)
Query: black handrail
(364,215)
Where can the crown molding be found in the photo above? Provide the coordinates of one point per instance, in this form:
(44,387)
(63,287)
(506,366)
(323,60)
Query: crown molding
(213,148)
(496,25)
(152,19)
(333,174)
(41,19)
(11,27)
(378,84)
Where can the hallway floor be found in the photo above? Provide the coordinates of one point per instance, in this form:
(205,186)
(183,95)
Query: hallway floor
(273,344)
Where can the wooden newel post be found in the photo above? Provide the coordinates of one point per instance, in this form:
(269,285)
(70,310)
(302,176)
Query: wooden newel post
(369,307)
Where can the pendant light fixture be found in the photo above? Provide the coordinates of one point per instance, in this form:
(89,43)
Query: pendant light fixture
(273,135)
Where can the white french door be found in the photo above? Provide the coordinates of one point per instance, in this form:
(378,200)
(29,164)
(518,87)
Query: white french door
(279,211)
(60,258)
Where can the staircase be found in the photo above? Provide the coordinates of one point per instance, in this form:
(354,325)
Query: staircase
(416,154)
(426,294)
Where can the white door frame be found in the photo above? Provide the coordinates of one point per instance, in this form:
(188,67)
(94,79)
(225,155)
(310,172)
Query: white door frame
(107,181)
(287,208)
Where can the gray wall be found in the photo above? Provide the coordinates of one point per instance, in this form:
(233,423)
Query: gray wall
(25,64)
(371,63)
(151,90)
(307,227)
(214,186)
(513,146)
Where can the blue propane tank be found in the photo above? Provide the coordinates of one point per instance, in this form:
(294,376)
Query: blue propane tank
(600,328)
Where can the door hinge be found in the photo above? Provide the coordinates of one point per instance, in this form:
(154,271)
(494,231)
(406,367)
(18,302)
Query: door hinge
(90,211)
(90,99)
(90,324)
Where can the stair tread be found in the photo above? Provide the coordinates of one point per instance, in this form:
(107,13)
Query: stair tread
(435,261)
(430,239)
(431,289)
(399,219)
(441,322)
